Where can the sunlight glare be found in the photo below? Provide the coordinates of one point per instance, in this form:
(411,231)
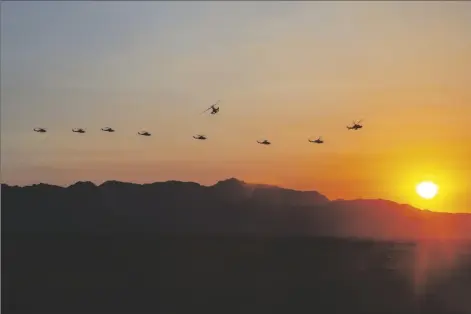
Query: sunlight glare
(427,189)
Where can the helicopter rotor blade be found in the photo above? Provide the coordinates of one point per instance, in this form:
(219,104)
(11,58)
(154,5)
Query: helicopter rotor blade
(207,109)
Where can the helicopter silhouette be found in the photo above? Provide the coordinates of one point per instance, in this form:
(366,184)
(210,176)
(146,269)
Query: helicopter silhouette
(200,137)
(264,142)
(78,130)
(144,133)
(317,141)
(356,125)
(39,130)
(213,108)
(107,129)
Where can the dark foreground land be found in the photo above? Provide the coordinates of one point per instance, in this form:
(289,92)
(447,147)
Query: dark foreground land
(213,274)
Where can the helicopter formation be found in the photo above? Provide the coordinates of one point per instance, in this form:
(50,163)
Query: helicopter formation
(356,125)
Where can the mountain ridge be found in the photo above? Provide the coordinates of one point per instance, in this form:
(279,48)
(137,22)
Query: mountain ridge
(251,186)
(228,206)
(219,182)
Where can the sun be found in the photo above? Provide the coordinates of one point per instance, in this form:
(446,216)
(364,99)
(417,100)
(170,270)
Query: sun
(427,189)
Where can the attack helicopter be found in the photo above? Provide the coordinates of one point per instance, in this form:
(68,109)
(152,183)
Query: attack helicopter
(107,129)
(264,142)
(200,137)
(39,130)
(317,141)
(144,133)
(213,108)
(356,125)
(78,130)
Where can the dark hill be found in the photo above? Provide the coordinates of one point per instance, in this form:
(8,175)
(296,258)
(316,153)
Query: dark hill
(144,248)
(230,206)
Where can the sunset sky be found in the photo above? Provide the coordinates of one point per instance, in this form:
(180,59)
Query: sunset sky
(283,71)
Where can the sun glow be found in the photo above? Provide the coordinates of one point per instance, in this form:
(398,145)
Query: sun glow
(427,189)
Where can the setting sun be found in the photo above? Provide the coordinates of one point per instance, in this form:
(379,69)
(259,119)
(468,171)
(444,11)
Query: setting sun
(427,189)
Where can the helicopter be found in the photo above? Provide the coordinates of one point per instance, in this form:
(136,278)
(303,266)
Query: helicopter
(39,130)
(317,141)
(200,137)
(78,130)
(356,125)
(264,142)
(214,108)
(144,133)
(107,129)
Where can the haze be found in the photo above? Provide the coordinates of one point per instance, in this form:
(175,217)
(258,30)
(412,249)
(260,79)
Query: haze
(283,71)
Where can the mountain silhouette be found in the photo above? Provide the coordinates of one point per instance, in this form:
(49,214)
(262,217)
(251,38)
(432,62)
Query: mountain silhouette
(233,247)
(228,207)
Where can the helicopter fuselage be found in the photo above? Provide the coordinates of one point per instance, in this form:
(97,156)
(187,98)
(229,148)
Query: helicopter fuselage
(355,127)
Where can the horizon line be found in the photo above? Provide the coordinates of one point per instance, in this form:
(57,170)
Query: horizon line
(227,179)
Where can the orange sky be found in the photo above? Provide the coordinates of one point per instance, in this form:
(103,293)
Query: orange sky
(283,71)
